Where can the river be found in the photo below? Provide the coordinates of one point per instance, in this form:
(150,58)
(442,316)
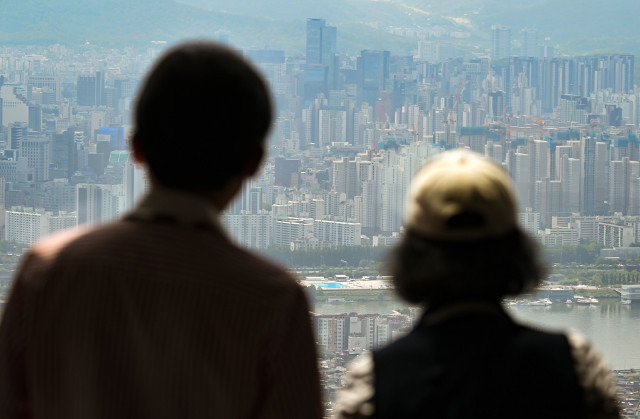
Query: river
(613,328)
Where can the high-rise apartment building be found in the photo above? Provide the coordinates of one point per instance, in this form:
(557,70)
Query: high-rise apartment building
(27,225)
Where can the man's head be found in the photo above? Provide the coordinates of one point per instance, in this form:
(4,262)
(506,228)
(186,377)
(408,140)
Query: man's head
(201,117)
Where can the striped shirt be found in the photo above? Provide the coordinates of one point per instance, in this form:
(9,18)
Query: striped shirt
(157,315)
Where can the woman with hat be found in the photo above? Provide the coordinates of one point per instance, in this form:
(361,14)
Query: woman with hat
(462,253)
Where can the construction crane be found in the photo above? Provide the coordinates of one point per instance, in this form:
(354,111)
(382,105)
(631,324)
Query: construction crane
(541,123)
(448,117)
(508,125)
(454,108)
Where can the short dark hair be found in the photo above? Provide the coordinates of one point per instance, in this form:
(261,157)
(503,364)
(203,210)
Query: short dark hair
(437,272)
(200,114)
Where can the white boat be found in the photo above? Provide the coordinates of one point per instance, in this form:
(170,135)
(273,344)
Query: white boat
(538,303)
(585,300)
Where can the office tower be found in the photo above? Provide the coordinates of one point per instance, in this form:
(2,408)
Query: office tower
(63,154)
(86,91)
(320,73)
(373,72)
(37,151)
(529,43)
(90,89)
(314,40)
(500,42)
(17,131)
(35,118)
(59,195)
(286,171)
(321,42)
(49,87)
(315,80)
(15,107)
(13,168)
(93,203)
(135,182)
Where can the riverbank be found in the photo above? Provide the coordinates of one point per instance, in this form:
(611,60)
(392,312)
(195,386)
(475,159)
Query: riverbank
(319,294)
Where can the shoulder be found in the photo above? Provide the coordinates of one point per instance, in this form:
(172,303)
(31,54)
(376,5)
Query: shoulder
(594,377)
(355,400)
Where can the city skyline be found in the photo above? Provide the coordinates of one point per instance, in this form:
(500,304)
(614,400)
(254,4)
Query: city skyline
(350,133)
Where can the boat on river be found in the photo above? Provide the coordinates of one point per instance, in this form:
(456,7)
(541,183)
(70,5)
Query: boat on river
(585,301)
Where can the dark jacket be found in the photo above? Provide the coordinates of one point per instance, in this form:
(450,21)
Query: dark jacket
(477,366)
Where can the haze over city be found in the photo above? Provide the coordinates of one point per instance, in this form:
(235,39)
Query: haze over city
(366,92)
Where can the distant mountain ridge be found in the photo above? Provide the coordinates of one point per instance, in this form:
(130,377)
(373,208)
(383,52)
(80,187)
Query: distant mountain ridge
(117,23)
(579,26)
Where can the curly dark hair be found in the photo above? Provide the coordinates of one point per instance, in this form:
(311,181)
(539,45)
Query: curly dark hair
(437,272)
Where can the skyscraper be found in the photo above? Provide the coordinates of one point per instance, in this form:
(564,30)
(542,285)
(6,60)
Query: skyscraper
(319,74)
(373,72)
(90,90)
(500,42)
(529,43)
(321,42)
(17,131)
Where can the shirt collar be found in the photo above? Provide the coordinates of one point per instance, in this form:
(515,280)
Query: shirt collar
(178,207)
(462,309)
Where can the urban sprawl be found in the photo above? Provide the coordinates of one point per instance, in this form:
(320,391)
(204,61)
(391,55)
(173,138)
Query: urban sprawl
(350,133)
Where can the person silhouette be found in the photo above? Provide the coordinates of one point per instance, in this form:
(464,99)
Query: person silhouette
(462,252)
(158,314)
